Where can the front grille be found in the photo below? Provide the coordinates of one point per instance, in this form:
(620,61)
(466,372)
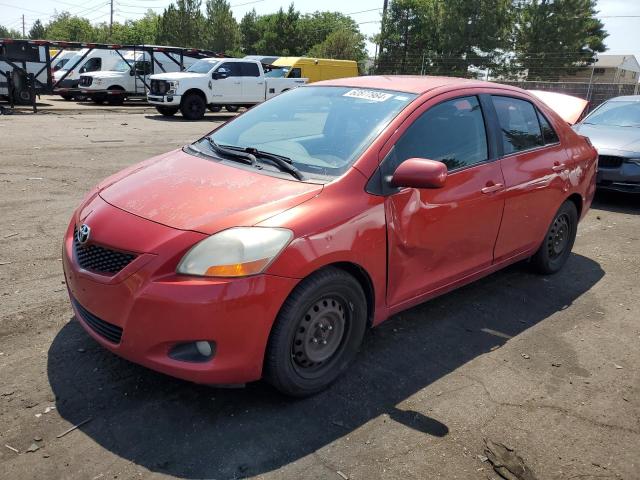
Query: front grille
(106,330)
(100,259)
(158,87)
(609,161)
(85,81)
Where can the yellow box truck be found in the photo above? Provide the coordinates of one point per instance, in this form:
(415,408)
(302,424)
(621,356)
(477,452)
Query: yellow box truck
(315,69)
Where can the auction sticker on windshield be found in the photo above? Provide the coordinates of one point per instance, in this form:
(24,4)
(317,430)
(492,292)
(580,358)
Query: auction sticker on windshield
(373,95)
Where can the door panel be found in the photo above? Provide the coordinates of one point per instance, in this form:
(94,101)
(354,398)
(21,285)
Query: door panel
(228,90)
(439,236)
(534,191)
(252,83)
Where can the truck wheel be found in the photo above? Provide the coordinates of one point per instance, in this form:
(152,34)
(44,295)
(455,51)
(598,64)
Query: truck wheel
(193,107)
(99,98)
(67,97)
(214,108)
(116,99)
(232,108)
(317,333)
(167,111)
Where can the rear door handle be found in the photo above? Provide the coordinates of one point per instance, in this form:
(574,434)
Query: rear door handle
(492,188)
(559,168)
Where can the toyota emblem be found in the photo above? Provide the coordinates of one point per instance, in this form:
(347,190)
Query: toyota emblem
(82,235)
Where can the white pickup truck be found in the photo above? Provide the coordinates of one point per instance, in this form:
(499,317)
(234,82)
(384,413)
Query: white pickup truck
(213,83)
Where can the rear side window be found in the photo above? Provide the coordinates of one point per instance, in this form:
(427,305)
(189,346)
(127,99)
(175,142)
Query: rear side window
(549,135)
(452,132)
(249,69)
(518,123)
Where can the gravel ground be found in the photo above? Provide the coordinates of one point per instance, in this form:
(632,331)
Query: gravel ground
(547,366)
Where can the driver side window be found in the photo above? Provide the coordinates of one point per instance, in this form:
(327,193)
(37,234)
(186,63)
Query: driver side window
(232,69)
(92,65)
(452,132)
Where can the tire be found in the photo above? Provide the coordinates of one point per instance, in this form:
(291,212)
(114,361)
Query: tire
(231,108)
(99,98)
(167,111)
(558,241)
(214,108)
(316,334)
(67,97)
(193,107)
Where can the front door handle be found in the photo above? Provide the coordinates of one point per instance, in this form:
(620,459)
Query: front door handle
(561,167)
(492,188)
(236,83)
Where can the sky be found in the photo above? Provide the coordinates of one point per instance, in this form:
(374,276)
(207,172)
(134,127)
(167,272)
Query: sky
(621,17)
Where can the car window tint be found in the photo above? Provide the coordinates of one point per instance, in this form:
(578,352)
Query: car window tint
(549,135)
(452,132)
(232,68)
(519,124)
(91,65)
(295,73)
(250,69)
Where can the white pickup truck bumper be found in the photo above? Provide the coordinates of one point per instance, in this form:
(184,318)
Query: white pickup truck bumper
(166,100)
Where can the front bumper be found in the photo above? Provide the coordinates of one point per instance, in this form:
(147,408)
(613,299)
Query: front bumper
(625,178)
(155,309)
(164,100)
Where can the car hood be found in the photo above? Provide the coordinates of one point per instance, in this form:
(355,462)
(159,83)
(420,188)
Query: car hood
(177,76)
(192,193)
(568,107)
(611,137)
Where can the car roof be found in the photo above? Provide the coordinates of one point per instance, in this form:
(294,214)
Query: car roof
(411,83)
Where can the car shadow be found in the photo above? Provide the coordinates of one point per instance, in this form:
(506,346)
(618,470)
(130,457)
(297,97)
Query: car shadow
(194,431)
(212,117)
(618,202)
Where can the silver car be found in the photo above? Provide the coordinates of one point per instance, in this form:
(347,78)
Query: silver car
(614,129)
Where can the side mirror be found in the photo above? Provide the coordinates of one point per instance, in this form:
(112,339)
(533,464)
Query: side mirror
(219,75)
(420,173)
(132,72)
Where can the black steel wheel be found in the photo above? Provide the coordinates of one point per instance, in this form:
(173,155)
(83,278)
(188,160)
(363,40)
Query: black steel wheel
(317,333)
(193,107)
(167,111)
(559,240)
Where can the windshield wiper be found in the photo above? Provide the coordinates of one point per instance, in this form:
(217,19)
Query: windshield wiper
(244,157)
(283,163)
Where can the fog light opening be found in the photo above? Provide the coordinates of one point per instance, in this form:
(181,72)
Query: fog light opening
(198,351)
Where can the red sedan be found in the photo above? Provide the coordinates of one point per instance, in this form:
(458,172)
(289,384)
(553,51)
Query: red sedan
(266,248)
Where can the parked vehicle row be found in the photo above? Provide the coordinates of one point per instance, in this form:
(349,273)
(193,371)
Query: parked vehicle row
(266,248)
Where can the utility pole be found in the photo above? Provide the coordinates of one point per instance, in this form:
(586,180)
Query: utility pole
(23,29)
(111,20)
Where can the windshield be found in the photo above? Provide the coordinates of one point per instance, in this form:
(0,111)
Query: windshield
(277,72)
(71,61)
(61,63)
(202,66)
(122,66)
(616,113)
(322,130)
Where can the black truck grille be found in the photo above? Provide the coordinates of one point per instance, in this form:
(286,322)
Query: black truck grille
(100,259)
(609,161)
(85,81)
(106,330)
(158,87)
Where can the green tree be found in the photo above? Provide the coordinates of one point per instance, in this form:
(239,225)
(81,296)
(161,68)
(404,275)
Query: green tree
(37,31)
(221,29)
(444,36)
(64,26)
(279,33)
(342,45)
(181,25)
(555,37)
(250,32)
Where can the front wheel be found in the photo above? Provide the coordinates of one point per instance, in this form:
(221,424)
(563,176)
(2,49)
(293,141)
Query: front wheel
(167,111)
(193,107)
(317,333)
(558,242)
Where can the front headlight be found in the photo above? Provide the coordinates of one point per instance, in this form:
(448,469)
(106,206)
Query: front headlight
(236,252)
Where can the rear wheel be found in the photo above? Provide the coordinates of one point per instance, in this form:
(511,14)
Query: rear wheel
(214,108)
(317,333)
(167,111)
(232,108)
(558,242)
(193,107)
